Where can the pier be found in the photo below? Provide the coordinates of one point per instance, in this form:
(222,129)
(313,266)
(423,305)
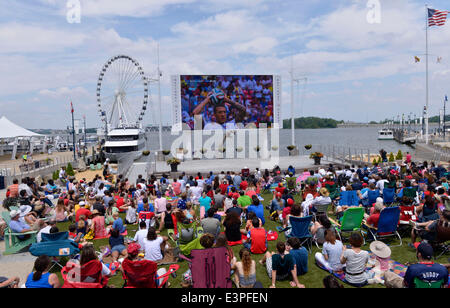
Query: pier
(404,137)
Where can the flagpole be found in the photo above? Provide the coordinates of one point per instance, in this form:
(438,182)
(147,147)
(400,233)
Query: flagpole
(73,133)
(427,92)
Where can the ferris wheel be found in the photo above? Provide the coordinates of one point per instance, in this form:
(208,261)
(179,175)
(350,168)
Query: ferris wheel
(122,93)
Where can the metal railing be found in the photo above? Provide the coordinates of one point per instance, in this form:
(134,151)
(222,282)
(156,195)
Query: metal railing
(50,166)
(342,154)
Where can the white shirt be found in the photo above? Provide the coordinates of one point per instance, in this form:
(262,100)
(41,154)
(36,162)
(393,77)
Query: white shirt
(26,188)
(216,126)
(45,230)
(153,249)
(140,236)
(196,193)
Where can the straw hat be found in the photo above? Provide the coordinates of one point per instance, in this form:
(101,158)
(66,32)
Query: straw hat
(380,249)
(324,192)
(95,212)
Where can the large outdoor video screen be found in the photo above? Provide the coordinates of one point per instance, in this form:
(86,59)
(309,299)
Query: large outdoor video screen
(227,101)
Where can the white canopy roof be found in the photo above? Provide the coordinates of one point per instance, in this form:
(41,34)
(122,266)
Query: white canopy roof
(10,130)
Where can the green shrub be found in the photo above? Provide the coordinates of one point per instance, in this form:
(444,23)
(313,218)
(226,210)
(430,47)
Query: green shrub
(391,157)
(399,155)
(69,170)
(55,175)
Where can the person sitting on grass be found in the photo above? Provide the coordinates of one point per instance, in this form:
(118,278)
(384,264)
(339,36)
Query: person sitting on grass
(330,258)
(321,224)
(166,220)
(330,282)
(245,271)
(110,211)
(299,253)
(258,208)
(281,266)
(210,224)
(257,238)
(221,241)
(428,230)
(248,224)
(425,270)
(355,261)
(232,224)
(207,241)
(117,243)
(286,212)
(154,245)
(41,278)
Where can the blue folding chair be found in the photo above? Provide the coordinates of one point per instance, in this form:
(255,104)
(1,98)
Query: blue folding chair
(388,195)
(387,224)
(55,245)
(300,229)
(349,198)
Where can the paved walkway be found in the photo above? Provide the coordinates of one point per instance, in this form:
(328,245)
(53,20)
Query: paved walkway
(219,165)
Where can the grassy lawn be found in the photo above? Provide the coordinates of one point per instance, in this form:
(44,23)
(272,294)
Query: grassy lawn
(313,279)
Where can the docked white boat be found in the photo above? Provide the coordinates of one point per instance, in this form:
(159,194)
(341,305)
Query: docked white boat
(386,134)
(124,141)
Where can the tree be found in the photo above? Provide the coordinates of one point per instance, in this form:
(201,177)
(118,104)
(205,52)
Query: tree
(399,155)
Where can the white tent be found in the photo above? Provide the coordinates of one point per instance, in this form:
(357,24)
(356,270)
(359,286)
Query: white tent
(10,130)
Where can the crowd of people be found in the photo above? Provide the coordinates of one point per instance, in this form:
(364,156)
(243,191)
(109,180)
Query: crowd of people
(232,202)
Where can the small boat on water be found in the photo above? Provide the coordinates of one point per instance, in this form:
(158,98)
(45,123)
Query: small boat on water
(386,134)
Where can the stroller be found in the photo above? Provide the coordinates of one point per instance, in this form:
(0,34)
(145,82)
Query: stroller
(210,268)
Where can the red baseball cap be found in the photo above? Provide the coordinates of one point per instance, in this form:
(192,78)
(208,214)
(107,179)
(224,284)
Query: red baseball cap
(290,201)
(133,248)
(279,195)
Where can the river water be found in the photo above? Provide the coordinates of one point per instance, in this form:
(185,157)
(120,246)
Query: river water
(361,138)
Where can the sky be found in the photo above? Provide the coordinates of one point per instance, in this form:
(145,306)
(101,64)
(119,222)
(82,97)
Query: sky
(356,70)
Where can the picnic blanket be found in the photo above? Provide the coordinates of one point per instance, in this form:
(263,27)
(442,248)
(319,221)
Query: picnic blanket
(271,236)
(394,266)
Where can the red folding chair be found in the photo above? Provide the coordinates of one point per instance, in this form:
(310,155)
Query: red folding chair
(76,276)
(142,274)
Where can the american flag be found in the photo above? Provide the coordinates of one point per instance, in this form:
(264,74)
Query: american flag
(436,18)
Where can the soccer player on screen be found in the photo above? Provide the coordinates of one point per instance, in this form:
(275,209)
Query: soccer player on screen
(220,113)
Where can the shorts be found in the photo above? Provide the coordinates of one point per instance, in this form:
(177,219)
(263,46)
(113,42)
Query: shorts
(118,248)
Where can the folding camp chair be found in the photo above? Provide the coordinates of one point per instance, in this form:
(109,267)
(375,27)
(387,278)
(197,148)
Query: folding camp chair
(143,274)
(186,237)
(13,242)
(349,198)
(300,229)
(372,196)
(55,245)
(442,239)
(99,166)
(88,275)
(387,224)
(421,284)
(351,221)
(388,195)
(210,268)
(321,209)
(92,167)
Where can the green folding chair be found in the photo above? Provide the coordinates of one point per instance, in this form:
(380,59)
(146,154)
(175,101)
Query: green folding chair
(92,167)
(420,284)
(13,244)
(351,221)
(99,166)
